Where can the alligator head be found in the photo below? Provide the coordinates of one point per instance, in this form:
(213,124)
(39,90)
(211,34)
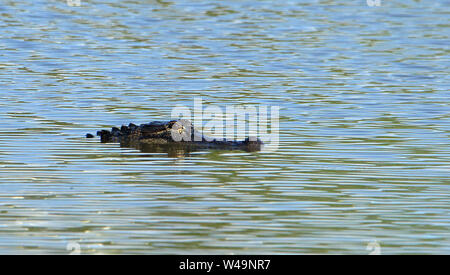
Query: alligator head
(179,134)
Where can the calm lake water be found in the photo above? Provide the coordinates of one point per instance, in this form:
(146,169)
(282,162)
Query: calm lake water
(364,153)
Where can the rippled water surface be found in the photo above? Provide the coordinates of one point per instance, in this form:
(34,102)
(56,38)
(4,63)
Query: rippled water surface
(364,126)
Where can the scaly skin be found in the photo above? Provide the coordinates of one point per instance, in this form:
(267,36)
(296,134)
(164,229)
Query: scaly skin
(179,134)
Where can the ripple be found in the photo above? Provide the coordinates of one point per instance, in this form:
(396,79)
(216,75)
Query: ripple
(364,127)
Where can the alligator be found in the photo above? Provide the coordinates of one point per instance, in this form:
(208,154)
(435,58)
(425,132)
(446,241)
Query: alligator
(172,135)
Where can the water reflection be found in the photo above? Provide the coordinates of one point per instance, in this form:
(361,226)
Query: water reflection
(180,150)
(364,126)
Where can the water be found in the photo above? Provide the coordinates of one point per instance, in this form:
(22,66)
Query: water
(364,151)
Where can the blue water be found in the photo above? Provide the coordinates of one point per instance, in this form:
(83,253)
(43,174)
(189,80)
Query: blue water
(364,127)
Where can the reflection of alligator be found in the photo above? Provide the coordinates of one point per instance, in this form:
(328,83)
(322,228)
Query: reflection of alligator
(168,136)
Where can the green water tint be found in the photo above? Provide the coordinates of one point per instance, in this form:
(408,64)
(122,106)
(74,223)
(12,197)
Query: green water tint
(364,127)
